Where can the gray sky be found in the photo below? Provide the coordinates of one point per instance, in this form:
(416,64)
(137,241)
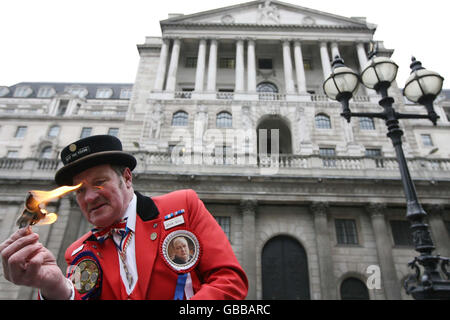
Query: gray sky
(95,40)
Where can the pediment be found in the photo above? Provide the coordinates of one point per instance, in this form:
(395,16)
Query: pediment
(268,13)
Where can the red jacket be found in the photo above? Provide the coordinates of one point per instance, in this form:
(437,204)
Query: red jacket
(217,275)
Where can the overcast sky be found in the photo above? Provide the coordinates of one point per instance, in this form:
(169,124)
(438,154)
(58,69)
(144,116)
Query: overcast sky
(95,40)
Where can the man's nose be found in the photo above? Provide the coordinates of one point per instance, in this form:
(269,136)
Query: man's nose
(91,194)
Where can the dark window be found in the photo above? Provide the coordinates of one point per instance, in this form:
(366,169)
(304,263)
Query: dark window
(227,63)
(354,289)
(113,132)
(426,140)
(180,119)
(20,132)
(62,108)
(346,231)
(447,224)
(191,62)
(265,64)
(225,224)
(401,232)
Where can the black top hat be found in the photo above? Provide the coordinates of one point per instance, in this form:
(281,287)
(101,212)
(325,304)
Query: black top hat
(89,152)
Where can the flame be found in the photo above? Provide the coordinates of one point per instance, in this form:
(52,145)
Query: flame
(35,212)
(38,197)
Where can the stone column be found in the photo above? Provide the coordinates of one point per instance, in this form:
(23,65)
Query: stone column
(287,62)
(248,210)
(251,66)
(299,68)
(390,282)
(162,66)
(326,65)
(173,67)
(239,84)
(327,281)
(200,72)
(438,229)
(334,50)
(212,66)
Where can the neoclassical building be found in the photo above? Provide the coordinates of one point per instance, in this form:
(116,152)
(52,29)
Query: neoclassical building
(229,102)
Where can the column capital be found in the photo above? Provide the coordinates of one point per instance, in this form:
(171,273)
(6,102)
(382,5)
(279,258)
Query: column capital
(319,208)
(434,209)
(248,205)
(376,209)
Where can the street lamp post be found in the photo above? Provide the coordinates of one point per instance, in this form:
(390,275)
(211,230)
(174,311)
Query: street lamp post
(422,86)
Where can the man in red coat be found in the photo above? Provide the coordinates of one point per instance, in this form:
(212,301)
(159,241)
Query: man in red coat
(132,252)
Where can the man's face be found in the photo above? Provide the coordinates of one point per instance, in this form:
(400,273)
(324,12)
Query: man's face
(104,196)
(182,249)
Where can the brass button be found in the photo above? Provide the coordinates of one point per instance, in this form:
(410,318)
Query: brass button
(155,226)
(153,236)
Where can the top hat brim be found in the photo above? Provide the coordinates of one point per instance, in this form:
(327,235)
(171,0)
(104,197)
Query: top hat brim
(64,176)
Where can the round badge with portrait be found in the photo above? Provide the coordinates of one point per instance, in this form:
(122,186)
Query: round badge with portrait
(181,250)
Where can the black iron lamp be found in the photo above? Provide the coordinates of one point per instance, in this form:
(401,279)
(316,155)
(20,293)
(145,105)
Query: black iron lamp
(423,86)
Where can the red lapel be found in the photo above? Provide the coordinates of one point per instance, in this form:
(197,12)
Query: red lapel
(146,251)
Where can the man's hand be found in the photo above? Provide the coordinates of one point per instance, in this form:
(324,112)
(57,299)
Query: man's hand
(27,262)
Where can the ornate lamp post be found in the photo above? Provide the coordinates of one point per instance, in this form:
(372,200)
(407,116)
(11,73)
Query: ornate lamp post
(422,86)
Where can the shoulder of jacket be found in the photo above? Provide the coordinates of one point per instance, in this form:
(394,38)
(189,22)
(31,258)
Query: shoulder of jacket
(177,195)
(77,246)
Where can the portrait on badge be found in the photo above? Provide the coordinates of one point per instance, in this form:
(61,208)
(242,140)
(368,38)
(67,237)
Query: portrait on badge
(181,250)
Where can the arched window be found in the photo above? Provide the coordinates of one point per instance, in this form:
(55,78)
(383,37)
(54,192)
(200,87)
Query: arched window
(354,289)
(46,153)
(180,119)
(224,120)
(366,123)
(323,121)
(267,91)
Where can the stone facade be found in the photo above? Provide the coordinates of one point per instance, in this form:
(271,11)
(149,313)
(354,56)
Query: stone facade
(214,98)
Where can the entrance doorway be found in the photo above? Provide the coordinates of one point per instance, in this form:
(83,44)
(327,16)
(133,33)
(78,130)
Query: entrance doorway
(285,273)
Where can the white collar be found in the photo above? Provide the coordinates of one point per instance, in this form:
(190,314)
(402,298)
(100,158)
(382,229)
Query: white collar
(130,213)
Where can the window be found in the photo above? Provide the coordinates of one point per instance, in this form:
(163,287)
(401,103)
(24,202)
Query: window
(225,223)
(104,93)
(265,64)
(191,62)
(401,233)
(62,107)
(267,91)
(22,92)
(113,132)
(125,93)
(354,289)
(366,123)
(426,140)
(46,92)
(227,63)
(328,157)
(376,154)
(53,132)
(446,110)
(20,132)
(224,120)
(323,121)
(4,91)
(85,132)
(346,231)
(447,224)
(307,64)
(12,154)
(77,91)
(180,119)
(46,153)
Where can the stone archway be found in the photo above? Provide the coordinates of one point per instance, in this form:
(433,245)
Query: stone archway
(266,130)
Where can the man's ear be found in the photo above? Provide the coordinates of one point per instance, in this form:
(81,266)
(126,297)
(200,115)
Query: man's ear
(128,177)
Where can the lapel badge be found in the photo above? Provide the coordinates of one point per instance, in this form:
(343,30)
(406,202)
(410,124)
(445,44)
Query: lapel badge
(181,250)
